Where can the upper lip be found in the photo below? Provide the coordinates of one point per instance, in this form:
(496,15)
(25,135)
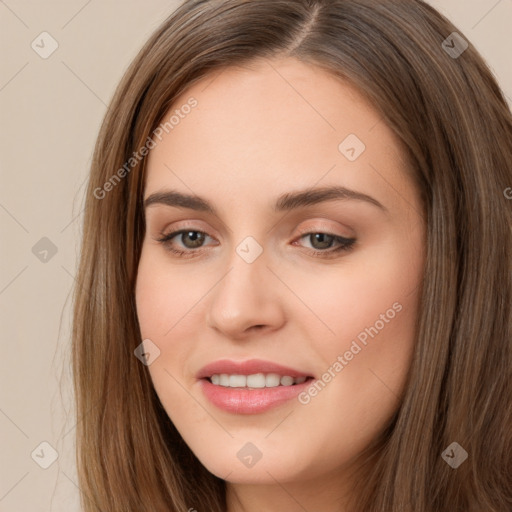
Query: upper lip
(249,367)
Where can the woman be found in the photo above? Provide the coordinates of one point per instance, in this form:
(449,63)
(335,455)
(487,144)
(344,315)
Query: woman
(296,267)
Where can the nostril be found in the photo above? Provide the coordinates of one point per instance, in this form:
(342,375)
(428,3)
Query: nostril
(257,327)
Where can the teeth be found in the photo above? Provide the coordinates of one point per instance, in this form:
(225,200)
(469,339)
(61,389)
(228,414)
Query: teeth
(286,381)
(272,380)
(237,381)
(257,380)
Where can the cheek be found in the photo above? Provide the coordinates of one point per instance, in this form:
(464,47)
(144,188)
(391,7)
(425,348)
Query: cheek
(366,335)
(370,297)
(166,296)
(165,301)
(162,303)
(170,310)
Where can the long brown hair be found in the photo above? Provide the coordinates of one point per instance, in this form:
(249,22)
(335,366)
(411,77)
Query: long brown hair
(456,128)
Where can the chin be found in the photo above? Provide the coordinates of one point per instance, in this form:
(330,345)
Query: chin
(244,463)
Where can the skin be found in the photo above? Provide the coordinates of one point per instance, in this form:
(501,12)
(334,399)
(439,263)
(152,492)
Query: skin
(260,131)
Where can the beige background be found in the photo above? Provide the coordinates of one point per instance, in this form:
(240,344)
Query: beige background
(51,110)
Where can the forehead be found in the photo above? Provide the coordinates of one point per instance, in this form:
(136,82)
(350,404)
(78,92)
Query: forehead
(272,125)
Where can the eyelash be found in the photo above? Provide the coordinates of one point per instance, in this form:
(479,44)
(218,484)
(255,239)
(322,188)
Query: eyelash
(346,244)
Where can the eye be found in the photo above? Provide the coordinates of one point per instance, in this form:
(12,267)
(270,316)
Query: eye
(190,238)
(325,244)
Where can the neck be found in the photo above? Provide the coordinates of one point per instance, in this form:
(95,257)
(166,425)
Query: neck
(326,492)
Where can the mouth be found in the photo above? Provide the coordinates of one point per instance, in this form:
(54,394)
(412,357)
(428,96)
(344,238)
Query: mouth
(251,387)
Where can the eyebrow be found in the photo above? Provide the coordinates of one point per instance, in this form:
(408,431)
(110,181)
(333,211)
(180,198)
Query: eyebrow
(286,202)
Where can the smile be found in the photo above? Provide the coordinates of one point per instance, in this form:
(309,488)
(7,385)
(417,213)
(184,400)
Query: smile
(255,381)
(252,386)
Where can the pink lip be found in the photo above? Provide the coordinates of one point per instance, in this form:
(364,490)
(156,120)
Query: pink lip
(249,401)
(249,367)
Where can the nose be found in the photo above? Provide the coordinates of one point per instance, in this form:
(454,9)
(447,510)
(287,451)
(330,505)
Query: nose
(246,300)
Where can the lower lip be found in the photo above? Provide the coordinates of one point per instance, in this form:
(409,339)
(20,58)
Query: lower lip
(250,401)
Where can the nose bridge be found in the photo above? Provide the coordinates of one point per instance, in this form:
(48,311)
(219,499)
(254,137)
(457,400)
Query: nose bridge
(247,262)
(243,297)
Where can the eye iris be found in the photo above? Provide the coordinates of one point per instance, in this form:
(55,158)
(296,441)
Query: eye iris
(197,238)
(324,239)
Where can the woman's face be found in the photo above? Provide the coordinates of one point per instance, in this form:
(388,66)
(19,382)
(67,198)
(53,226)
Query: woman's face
(323,283)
